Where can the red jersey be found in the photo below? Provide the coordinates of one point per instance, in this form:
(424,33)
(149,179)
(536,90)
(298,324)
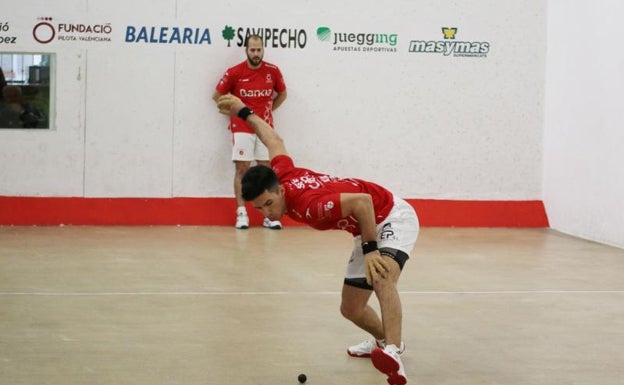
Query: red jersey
(255,88)
(314,198)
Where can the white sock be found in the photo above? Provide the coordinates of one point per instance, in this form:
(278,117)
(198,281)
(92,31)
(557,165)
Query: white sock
(241,210)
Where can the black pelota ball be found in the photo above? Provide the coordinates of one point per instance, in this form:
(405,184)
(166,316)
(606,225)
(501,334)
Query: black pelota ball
(302,378)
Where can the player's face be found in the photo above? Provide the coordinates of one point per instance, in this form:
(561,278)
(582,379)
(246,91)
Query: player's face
(255,52)
(272,204)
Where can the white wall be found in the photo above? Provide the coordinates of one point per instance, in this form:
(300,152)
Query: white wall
(137,119)
(584,120)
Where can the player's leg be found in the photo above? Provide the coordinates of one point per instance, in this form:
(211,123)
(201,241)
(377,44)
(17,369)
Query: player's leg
(390,302)
(261,154)
(355,306)
(396,237)
(242,219)
(387,359)
(240,168)
(242,155)
(356,309)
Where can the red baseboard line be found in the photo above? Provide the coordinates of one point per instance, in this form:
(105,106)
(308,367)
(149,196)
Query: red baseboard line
(79,211)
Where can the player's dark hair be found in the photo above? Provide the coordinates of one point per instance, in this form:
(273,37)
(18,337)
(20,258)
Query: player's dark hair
(254,36)
(257,180)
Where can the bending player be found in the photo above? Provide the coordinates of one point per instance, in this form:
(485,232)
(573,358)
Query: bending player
(384,228)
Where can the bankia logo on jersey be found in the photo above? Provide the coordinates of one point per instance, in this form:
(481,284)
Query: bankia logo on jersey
(166,34)
(273,37)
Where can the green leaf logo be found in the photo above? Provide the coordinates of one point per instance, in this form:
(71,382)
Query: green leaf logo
(228,34)
(323,33)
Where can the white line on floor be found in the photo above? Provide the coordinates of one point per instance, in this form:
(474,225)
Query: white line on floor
(290,293)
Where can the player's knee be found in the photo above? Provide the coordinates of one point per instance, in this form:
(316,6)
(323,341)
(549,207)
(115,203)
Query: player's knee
(384,284)
(350,311)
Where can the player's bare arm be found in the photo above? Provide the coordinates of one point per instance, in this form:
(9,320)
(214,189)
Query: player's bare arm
(274,143)
(279,99)
(361,207)
(215,96)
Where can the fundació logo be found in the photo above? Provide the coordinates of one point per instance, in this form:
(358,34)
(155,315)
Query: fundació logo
(43,31)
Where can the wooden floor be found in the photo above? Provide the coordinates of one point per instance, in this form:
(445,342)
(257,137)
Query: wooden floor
(215,305)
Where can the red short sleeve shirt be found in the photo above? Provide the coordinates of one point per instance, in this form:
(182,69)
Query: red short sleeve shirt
(255,87)
(314,198)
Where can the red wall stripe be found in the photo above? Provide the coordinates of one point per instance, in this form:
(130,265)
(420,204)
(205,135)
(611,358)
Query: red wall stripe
(44,211)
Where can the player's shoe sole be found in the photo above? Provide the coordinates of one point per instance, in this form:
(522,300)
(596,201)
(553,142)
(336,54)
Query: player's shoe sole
(389,366)
(359,355)
(363,353)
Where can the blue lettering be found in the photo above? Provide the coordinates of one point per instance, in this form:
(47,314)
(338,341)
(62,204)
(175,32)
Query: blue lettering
(167,35)
(175,36)
(130,34)
(205,37)
(152,37)
(188,34)
(142,35)
(163,35)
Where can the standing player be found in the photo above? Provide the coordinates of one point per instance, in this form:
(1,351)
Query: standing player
(261,86)
(384,228)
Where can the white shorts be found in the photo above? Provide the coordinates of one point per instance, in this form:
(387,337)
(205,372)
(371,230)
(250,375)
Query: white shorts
(396,237)
(248,147)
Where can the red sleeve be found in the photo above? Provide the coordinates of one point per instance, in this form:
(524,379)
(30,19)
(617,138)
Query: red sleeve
(281,164)
(280,85)
(325,208)
(227,81)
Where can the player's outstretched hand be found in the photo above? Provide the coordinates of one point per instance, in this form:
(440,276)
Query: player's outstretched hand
(376,267)
(229,104)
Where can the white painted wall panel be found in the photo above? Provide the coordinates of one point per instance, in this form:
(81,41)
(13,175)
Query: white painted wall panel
(129,123)
(202,143)
(426,125)
(584,120)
